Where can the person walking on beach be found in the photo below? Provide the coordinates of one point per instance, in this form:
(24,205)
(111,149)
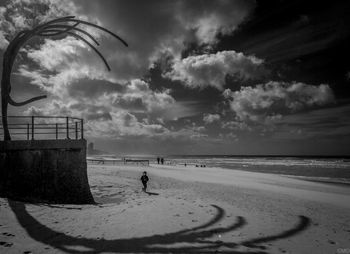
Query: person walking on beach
(158,159)
(144,180)
(162,160)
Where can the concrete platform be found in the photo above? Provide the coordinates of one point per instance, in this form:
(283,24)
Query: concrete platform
(51,171)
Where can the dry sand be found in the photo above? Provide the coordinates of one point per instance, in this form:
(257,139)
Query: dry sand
(187,210)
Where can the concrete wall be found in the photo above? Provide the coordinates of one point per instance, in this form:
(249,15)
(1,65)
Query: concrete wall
(45,171)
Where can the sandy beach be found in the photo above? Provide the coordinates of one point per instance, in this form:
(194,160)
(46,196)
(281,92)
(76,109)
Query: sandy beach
(186,210)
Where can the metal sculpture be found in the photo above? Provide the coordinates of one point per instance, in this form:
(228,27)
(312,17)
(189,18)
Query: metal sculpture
(60,26)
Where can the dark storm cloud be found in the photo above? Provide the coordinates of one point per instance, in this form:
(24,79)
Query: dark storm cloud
(305,41)
(154,27)
(327,123)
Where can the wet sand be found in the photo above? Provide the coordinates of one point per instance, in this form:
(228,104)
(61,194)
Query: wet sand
(187,210)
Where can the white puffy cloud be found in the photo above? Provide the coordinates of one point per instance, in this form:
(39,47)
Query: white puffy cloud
(111,108)
(192,132)
(268,102)
(102,123)
(61,63)
(209,18)
(235,125)
(3,41)
(140,97)
(17,15)
(211,69)
(210,118)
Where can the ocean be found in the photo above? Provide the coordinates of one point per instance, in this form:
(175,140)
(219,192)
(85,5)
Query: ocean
(334,169)
(327,169)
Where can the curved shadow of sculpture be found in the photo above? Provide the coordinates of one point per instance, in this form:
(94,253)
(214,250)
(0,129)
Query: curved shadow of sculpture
(61,26)
(197,237)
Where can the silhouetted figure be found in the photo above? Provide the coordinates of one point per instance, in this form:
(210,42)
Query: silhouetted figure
(158,159)
(144,180)
(162,160)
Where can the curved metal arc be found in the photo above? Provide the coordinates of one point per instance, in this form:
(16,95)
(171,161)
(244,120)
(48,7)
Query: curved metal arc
(72,19)
(20,34)
(63,19)
(67,28)
(91,46)
(50,32)
(18,104)
(87,34)
(101,28)
(17,43)
(55,32)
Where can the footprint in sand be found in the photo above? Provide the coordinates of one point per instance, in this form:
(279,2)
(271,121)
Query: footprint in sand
(190,212)
(6,244)
(27,252)
(331,242)
(7,234)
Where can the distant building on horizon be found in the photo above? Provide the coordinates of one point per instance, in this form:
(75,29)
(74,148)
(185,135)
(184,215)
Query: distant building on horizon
(90,147)
(92,151)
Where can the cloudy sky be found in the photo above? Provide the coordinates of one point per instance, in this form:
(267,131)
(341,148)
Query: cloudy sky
(198,77)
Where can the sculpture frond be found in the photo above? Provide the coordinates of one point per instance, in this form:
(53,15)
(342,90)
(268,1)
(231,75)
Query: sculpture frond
(18,104)
(103,29)
(91,46)
(56,30)
(56,27)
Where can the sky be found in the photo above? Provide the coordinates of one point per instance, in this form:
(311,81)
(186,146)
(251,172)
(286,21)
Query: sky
(236,77)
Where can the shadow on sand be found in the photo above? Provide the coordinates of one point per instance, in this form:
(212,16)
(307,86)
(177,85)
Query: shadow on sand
(195,239)
(152,193)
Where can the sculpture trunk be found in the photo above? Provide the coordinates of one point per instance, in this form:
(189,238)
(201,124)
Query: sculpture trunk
(5,87)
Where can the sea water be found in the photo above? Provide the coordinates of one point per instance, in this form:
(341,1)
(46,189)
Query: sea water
(330,168)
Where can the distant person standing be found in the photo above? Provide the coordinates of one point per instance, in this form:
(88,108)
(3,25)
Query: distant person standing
(162,160)
(158,159)
(144,180)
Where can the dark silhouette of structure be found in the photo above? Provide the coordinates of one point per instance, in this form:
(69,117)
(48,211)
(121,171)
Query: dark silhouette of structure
(60,26)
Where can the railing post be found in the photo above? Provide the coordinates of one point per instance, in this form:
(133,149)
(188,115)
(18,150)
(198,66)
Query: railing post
(67,126)
(76,130)
(56,131)
(32,127)
(27,131)
(82,128)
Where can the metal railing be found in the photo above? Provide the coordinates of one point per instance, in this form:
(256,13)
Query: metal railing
(44,127)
